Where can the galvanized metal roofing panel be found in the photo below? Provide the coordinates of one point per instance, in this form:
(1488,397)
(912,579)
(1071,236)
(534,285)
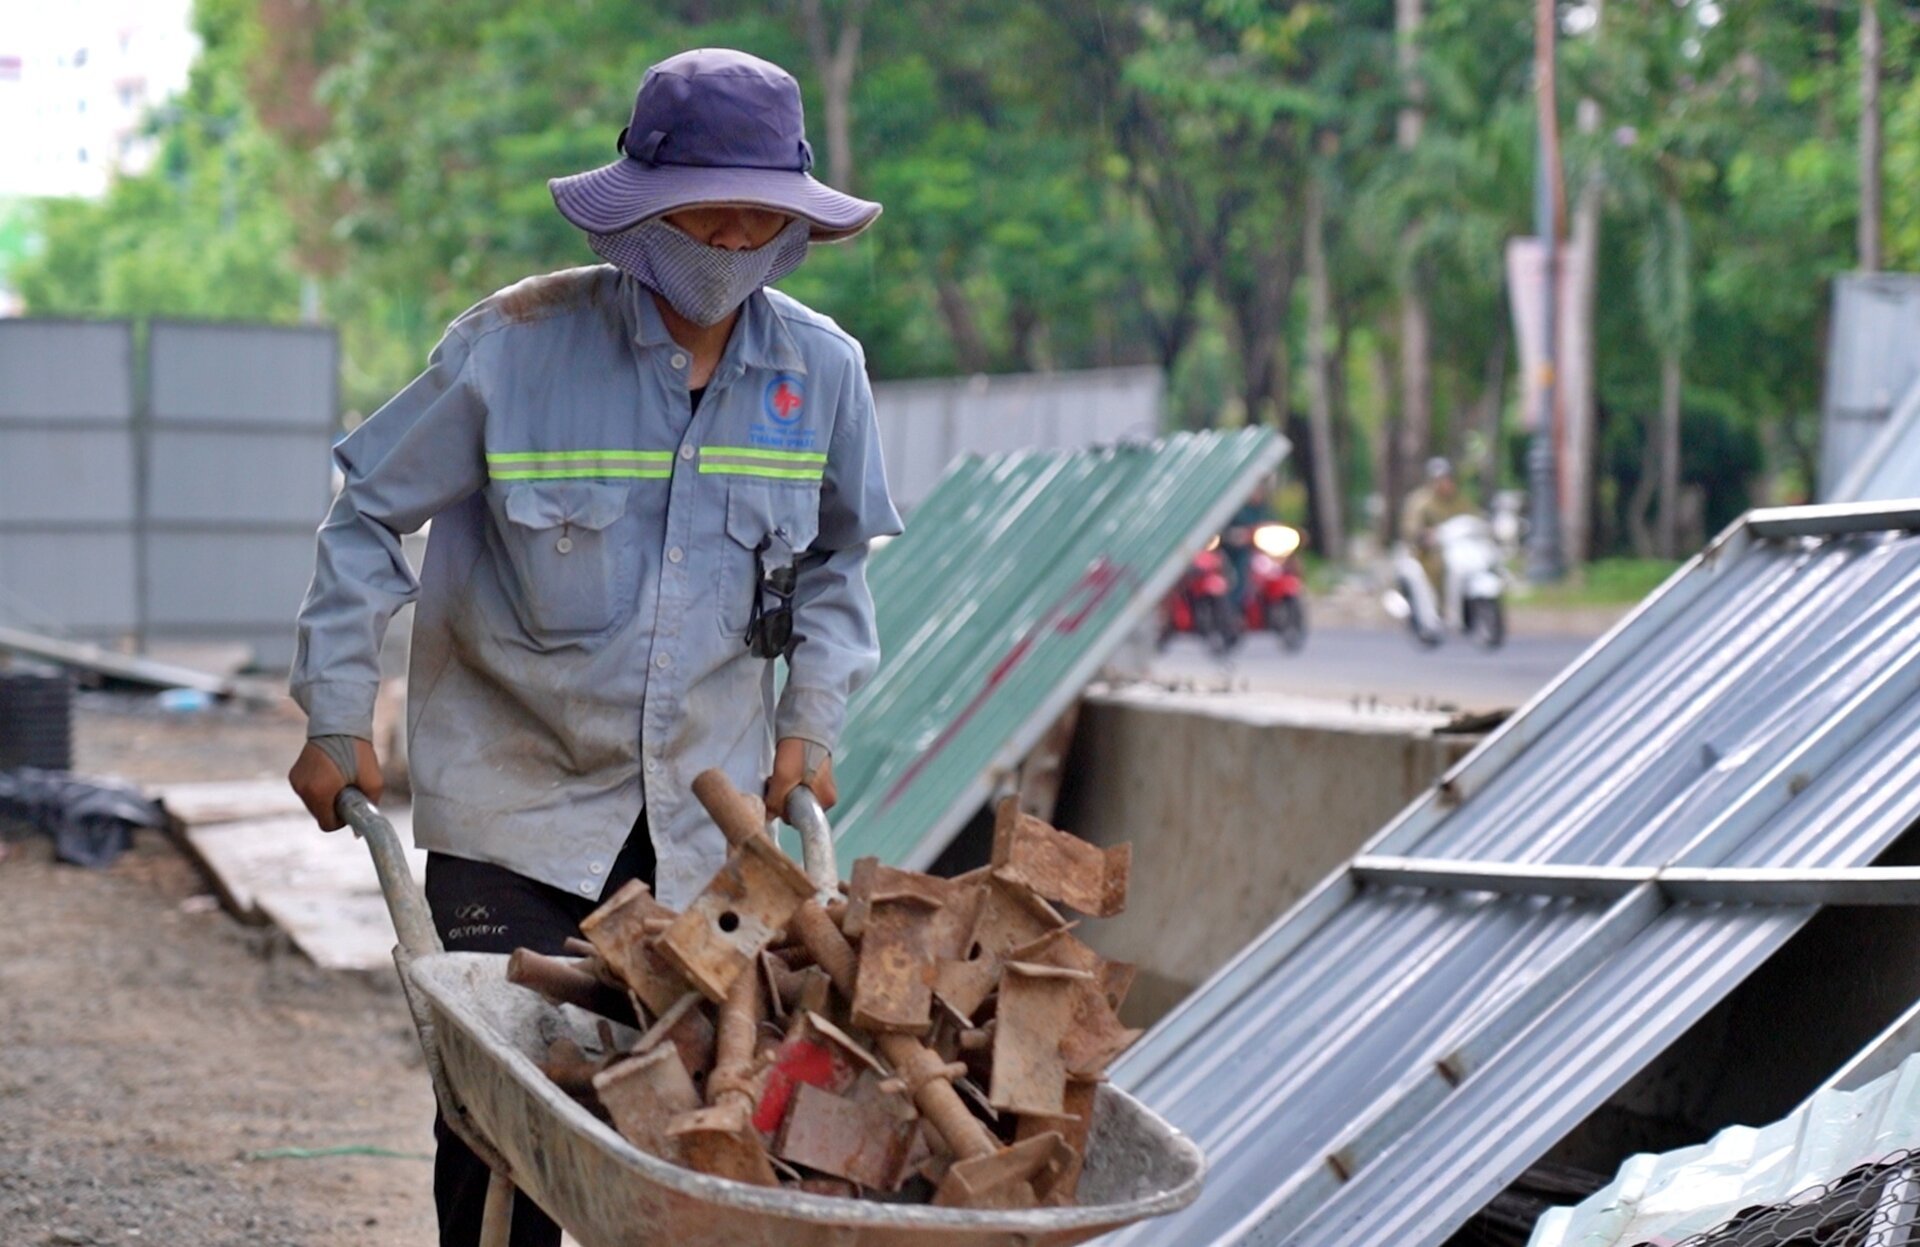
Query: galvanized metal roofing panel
(1762,710)
(1014,581)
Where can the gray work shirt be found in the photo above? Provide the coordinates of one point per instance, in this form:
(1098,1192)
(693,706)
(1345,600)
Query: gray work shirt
(578,643)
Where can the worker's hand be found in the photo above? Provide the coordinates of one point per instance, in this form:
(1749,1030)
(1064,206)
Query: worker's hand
(318,781)
(790,771)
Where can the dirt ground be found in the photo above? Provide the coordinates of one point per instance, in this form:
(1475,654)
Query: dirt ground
(154,1051)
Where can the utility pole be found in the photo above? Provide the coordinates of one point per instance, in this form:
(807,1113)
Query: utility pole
(1544,561)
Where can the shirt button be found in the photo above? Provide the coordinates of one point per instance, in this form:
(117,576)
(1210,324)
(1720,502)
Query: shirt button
(686,452)
(597,868)
(676,554)
(663,661)
(587,887)
(678,360)
(564,545)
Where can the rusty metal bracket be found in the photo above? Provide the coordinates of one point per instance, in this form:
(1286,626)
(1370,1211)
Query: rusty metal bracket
(621,933)
(743,908)
(1009,917)
(1058,865)
(909,923)
(1037,1004)
(720,1139)
(861,1142)
(643,1093)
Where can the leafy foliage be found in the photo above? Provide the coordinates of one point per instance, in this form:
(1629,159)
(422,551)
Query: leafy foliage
(1072,184)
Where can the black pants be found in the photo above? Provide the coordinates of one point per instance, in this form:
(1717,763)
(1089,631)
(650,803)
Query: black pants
(482,908)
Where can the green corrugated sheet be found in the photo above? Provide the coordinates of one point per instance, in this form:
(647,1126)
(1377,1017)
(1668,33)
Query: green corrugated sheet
(1014,581)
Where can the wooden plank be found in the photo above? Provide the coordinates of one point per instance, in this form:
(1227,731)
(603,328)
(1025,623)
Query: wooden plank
(228,801)
(339,931)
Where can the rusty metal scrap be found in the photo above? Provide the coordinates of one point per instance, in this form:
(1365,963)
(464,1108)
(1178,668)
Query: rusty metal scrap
(1057,865)
(920,1039)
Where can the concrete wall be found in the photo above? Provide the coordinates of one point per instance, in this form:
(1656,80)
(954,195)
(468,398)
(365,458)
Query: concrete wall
(1236,807)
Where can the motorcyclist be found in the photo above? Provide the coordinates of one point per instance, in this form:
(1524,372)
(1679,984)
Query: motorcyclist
(1431,505)
(1236,542)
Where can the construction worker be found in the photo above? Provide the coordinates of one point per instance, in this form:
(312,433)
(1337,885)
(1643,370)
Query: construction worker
(647,480)
(1428,507)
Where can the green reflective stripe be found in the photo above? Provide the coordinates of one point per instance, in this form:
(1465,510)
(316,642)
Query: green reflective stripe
(755,452)
(779,474)
(557,456)
(575,473)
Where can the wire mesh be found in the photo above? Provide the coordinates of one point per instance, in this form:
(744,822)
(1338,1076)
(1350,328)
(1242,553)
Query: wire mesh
(1873,1205)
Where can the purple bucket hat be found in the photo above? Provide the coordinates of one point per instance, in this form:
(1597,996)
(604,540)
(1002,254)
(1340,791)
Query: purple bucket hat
(711,126)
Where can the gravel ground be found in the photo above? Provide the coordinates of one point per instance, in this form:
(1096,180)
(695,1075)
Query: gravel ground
(152,1048)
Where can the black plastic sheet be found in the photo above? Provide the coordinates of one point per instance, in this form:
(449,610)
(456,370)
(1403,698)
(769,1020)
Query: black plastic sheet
(92,821)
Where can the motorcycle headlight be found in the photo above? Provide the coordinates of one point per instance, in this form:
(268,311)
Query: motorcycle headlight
(1276,541)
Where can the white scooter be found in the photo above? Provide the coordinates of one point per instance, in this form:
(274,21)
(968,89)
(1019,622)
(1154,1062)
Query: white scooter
(1473,597)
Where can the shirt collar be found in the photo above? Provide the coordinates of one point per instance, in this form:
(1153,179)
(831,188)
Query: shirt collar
(760,337)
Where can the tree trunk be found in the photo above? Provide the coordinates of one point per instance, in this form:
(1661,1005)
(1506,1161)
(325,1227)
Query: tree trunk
(1870,53)
(1669,456)
(1415,431)
(970,353)
(1328,520)
(1574,355)
(835,55)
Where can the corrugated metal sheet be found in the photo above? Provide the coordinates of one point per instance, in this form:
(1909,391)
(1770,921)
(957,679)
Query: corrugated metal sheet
(67,477)
(926,425)
(1013,582)
(1873,357)
(238,458)
(1889,469)
(1670,1196)
(1385,1059)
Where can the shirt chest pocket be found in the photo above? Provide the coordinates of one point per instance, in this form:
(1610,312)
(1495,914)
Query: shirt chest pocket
(785,515)
(575,561)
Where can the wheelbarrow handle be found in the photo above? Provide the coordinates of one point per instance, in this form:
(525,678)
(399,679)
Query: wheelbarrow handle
(816,839)
(406,904)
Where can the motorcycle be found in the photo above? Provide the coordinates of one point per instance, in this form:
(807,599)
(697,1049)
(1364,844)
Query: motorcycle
(1275,596)
(1472,595)
(1201,604)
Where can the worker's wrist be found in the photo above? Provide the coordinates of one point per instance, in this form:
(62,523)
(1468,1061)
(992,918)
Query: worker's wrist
(343,752)
(811,714)
(338,707)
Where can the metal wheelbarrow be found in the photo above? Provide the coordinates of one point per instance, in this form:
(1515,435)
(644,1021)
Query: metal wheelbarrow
(482,1037)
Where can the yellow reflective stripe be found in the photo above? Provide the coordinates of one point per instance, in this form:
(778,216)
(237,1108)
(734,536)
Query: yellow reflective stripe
(555,456)
(779,474)
(755,452)
(561,474)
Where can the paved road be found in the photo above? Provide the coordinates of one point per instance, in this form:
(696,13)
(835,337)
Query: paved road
(1349,663)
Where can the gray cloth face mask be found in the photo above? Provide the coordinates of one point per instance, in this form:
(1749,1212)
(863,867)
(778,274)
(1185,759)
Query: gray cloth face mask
(701,283)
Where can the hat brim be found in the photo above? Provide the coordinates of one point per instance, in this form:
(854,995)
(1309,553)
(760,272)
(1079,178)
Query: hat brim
(626,192)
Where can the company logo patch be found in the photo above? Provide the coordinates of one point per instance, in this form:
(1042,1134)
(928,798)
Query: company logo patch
(785,399)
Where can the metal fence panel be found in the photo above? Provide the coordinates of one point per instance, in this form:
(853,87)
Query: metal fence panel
(237,470)
(66,370)
(58,479)
(1873,358)
(926,425)
(1014,581)
(251,375)
(67,483)
(1362,1081)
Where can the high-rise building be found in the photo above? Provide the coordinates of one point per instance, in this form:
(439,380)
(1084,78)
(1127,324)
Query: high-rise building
(78,79)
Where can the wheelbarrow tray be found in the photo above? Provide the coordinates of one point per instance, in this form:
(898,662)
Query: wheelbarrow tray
(489,1034)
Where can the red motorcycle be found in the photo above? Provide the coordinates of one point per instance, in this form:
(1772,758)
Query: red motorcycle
(1276,594)
(1201,604)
